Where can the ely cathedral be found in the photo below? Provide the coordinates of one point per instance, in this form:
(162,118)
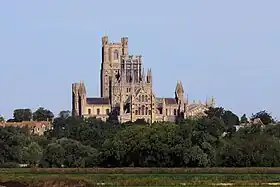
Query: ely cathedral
(127,91)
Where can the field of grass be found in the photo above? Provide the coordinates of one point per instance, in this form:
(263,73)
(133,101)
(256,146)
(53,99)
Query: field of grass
(142,176)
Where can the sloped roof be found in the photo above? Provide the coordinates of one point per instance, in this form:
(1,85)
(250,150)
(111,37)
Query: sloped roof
(98,100)
(192,106)
(170,101)
(195,105)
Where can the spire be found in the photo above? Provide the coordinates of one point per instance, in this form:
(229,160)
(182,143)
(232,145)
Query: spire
(179,87)
(179,90)
(213,102)
(149,75)
(143,75)
(149,72)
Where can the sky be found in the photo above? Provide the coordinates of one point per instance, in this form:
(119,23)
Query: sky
(225,49)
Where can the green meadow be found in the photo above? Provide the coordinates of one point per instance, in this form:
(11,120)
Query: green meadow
(143,177)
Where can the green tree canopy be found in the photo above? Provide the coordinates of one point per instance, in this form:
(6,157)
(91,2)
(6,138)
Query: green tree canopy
(264,116)
(64,114)
(32,154)
(215,112)
(22,115)
(2,119)
(243,119)
(209,141)
(53,156)
(42,114)
(230,119)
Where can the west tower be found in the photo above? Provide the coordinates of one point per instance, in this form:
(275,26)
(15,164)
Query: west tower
(112,54)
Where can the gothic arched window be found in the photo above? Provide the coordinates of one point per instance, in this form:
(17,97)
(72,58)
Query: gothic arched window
(139,111)
(143,98)
(116,55)
(139,98)
(146,112)
(146,98)
(143,110)
(175,112)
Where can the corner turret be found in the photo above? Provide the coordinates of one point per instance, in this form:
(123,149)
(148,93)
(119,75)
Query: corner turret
(149,76)
(179,92)
(78,98)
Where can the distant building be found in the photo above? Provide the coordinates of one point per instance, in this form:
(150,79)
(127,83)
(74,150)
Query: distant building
(127,91)
(256,121)
(35,127)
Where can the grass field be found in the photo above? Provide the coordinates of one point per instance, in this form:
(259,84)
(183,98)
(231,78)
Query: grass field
(143,176)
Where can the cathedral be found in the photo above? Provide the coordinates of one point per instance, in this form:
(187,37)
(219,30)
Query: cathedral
(126,91)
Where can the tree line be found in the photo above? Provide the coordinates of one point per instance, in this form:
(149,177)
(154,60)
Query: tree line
(211,141)
(19,115)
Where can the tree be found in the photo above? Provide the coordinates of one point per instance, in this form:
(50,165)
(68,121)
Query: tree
(32,154)
(64,114)
(215,112)
(230,119)
(13,139)
(77,155)
(264,116)
(2,119)
(250,147)
(43,114)
(210,141)
(243,119)
(53,156)
(195,157)
(22,115)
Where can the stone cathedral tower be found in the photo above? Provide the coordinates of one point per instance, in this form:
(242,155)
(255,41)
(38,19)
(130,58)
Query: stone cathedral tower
(127,91)
(78,98)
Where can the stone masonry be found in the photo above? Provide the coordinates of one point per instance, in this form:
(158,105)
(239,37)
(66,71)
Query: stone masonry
(127,91)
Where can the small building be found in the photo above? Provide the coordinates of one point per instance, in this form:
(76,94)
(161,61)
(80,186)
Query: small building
(35,127)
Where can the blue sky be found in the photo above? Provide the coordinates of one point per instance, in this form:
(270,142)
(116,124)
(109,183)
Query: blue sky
(228,49)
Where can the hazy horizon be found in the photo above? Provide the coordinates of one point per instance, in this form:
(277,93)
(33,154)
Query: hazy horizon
(225,49)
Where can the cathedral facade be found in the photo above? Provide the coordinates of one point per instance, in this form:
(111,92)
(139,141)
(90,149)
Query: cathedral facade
(127,91)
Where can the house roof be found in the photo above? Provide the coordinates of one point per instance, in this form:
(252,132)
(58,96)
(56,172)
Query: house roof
(98,100)
(29,124)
